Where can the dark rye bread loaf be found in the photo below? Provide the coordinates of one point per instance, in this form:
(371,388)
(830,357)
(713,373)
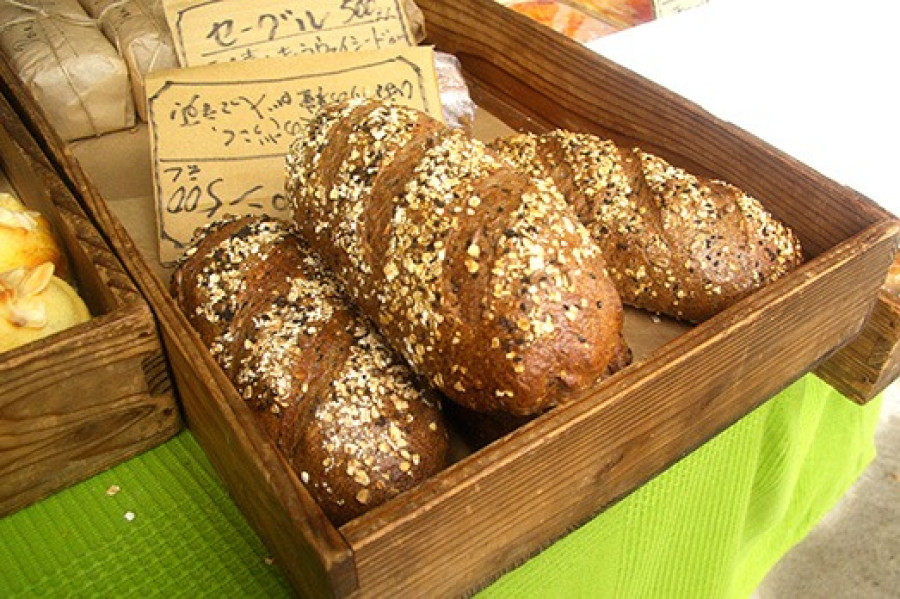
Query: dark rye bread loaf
(674,243)
(481,428)
(481,277)
(342,408)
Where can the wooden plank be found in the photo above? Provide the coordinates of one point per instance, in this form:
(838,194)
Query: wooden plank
(74,406)
(865,367)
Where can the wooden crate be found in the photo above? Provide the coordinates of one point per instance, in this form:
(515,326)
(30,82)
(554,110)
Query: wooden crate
(84,399)
(497,506)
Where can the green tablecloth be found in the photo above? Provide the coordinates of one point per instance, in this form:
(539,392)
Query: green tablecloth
(710,526)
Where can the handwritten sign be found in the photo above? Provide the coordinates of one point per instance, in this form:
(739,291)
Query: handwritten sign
(219,133)
(215,31)
(664,8)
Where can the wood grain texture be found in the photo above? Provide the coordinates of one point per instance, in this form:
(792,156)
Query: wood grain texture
(871,362)
(73,406)
(80,401)
(495,508)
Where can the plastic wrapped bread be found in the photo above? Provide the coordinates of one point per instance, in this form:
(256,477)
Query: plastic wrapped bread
(566,19)
(72,70)
(138,29)
(459,109)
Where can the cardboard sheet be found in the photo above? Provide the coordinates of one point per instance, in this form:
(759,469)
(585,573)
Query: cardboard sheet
(218,31)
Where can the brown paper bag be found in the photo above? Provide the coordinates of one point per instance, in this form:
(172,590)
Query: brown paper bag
(72,70)
(138,29)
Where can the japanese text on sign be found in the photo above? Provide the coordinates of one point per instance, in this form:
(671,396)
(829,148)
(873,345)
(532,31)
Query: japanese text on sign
(219,133)
(232,30)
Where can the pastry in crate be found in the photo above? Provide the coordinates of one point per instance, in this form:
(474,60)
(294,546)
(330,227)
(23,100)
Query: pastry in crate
(34,301)
(35,304)
(26,238)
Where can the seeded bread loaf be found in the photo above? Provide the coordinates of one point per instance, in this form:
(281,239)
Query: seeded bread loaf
(481,277)
(345,412)
(674,243)
(481,428)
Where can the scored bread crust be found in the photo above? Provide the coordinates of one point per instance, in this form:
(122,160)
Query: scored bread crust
(675,244)
(480,276)
(347,414)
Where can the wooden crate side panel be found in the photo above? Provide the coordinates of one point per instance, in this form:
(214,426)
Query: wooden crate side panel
(637,424)
(553,81)
(79,401)
(75,404)
(865,367)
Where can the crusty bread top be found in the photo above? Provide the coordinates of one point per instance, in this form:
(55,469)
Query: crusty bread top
(481,277)
(345,411)
(675,243)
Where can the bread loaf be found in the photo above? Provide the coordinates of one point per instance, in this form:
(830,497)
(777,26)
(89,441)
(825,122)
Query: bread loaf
(346,413)
(481,428)
(481,277)
(674,243)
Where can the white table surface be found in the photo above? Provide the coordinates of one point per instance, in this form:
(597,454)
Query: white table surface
(817,79)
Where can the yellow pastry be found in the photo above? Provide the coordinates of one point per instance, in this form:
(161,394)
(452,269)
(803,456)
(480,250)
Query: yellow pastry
(26,239)
(34,303)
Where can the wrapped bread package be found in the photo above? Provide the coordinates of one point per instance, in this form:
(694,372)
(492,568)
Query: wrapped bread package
(75,74)
(138,29)
(459,109)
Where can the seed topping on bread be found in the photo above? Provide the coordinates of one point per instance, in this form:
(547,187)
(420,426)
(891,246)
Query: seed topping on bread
(471,270)
(674,242)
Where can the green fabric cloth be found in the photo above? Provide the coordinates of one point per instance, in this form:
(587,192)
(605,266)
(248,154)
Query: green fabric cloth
(712,525)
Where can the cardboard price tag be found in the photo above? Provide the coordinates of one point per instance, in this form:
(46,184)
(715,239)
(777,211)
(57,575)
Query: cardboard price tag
(219,133)
(217,31)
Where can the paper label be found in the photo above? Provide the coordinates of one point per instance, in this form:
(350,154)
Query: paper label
(664,8)
(218,31)
(219,133)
